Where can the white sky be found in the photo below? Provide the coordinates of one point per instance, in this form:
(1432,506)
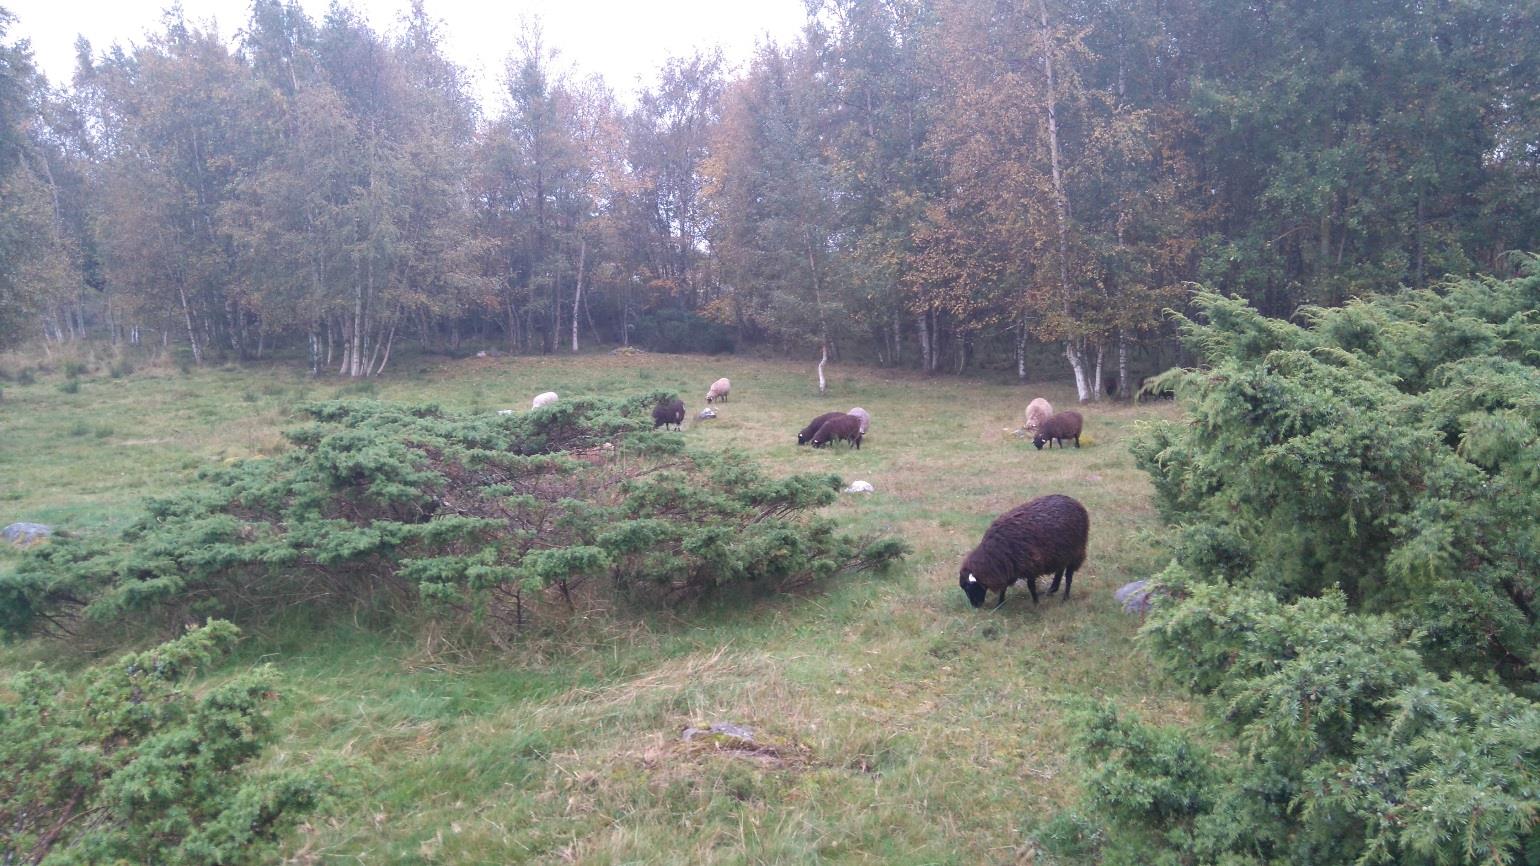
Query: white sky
(622,41)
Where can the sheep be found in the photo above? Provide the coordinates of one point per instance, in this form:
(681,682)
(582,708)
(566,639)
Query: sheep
(719,390)
(545,399)
(668,412)
(1038,411)
(1064,425)
(814,425)
(1044,536)
(866,418)
(841,426)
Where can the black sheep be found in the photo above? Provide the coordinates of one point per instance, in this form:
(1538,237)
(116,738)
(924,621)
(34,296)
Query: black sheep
(841,426)
(1065,425)
(1044,536)
(812,427)
(669,412)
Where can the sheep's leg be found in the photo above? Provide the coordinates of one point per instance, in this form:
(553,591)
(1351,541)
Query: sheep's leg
(1032,588)
(1077,440)
(1069,577)
(1054,587)
(1001,602)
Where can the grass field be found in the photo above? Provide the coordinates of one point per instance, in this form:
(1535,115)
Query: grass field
(900,725)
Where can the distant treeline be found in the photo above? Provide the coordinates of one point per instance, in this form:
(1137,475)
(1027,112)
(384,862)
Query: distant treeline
(929,183)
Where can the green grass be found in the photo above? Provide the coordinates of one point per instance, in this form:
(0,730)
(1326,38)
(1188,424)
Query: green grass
(901,726)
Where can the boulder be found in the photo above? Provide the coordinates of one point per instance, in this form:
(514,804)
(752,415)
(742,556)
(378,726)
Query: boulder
(706,414)
(859,487)
(1135,597)
(25,534)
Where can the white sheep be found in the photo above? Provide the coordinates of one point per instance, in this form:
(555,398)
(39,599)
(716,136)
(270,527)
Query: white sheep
(545,399)
(1038,411)
(719,390)
(865,416)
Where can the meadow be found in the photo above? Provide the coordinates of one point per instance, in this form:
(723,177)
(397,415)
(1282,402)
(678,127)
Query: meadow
(894,724)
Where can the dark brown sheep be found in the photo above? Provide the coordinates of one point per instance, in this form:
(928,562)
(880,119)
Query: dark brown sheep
(1065,425)
(812,427)
(1044,536)
(669,412)
(841,426)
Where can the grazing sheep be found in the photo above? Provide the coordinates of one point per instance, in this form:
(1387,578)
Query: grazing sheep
(841,426)
(1065,425)
(812,426)
(1038,411)
(866,418)
(545,399)
(668,412)
(1044,536)
(719,390)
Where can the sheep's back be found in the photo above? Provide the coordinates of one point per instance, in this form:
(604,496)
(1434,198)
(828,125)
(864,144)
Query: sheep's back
(866,418)
(669,412)
(1042,536)
(1038,411)
(815,425)
(1064,425)
(841,426)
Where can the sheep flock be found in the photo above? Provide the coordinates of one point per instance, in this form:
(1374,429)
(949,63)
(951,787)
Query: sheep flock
(1044,536)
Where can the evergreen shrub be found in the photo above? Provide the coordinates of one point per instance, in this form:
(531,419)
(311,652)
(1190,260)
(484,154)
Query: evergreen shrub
(1353,511)
(481,517)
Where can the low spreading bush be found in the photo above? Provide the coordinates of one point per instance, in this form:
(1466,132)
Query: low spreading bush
(127,763)
(478,516)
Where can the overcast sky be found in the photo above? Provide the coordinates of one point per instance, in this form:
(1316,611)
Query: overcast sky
(617,39)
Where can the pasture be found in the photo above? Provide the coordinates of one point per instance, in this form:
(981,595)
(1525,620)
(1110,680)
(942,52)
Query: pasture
(894,724)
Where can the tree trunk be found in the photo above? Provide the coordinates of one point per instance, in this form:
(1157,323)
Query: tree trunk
(354,360)
(1060,198)
(1096,382)
(1077,363)
(1021,351)
(898,339)
(1123,392)
(577,295)
(823,322)
(389,341)
(192,336)
(823,385)
(923,323)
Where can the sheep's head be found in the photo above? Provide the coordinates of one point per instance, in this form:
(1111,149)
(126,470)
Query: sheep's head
(819,443)
(970,585)
(802,438)
(1039,440)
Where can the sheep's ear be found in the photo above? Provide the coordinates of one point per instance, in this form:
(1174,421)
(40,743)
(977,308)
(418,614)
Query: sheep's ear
(972,579)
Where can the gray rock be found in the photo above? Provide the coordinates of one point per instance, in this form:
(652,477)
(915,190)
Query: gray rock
(25,534)
(721,729)
(706,414)
(1135,597)
(859,487)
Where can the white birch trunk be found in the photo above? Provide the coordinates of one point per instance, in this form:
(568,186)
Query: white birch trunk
(1096,383)
(1077,363)
(577,295)
(823,385)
